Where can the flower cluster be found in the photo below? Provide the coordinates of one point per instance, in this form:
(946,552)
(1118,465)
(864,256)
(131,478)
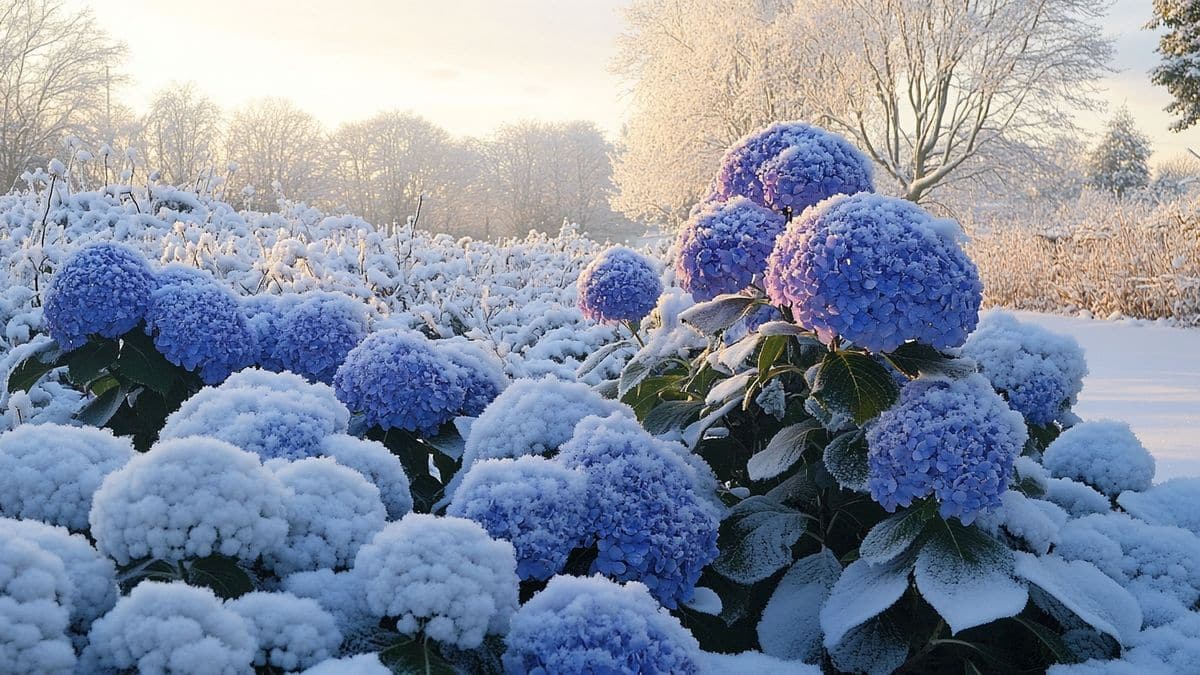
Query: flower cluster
(35,605)
(291,632)
(792,165)
(1104,454)
(315,333)
(619,285)
(953,439)
(646,518)
(397,380)
(724,247)
(482,373)
(1038,371)
(378,465)
(877,271)
(263,313)
(593,625)
(102,289)
(197,324)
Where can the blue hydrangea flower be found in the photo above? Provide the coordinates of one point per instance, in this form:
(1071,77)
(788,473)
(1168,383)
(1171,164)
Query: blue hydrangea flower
(619,285)
(1040,372)
(648,522)
(724,248)
(263,314)
(316,331)
(397,381)
(102,289)
(877,271)
(482,373)
(592,625)
(815,164)
(953,439)
(197,324)
(537,505)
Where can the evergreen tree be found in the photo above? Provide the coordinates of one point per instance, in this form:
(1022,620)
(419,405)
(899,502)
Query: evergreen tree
(1120,162)
(1180,49)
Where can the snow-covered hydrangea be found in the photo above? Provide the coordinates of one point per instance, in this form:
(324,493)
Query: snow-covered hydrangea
(724,247)
(1034,521)
(1040,372)
(534,503)
(1174,502)
(444,576)
(620,284)
(877,271)
(955,440)
(317,331)
(199,325)
(815,166)
(291,632)
(102,289)
(49,472)
(263,312)
(482,373)
(378,465)
(362,664)
(276,415)
(189,498)
(397,381)
(1077,499)
(593,625)
(342,594)
(331,512)
(648,522)
(92,576)
(1105,454)
(162,628)
(35,607)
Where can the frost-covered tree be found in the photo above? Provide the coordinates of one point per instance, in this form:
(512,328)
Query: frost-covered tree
(1119,163)
(278,149)
(1179,47)
(56,67)
(180,133)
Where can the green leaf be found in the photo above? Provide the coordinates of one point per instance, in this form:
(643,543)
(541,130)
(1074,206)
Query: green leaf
(846,460)
(87,362)
(862,592)
(27,373)
(772,348)
(959,567)
(1051,640)
(717,314)
(632,375)
(140,362)
(101,409)
(784,450)
(914,358)
(756,539)
(448,442)
(597,357)
(876,647)
(414,656)
(892,536)
(647,394)
(790,627)
(854,383)
(222,574)
(670,415)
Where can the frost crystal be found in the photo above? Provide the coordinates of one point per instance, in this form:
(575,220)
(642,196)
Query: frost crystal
(102,289)
(619,285)
(1104,454)
(724,247)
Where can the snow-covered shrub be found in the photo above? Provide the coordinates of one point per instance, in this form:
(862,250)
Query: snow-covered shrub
(1174,502)
(198,325)
(49,472)
(877,271)
(291,632)
(102,289)
(35,606)
(619,285)
(92,576)
(724,247)
(593,625)
(537,505)
(1039,372)
(954,440)
(187,498)
(378,465)
(316,332)
(363,664)
(482,373)
(648,522)
(173,628)
(442,576)
(397,380)
(275,415)
(331,510)
(1104,454)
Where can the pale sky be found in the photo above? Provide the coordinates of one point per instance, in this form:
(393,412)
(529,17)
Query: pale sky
(467,65)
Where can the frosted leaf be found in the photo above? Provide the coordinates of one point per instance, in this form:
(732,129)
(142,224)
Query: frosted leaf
(968,578)
(751,663)
(862,592)
(1078,499)
(760,532)
(1086,591)
(893,535)
(790,627)
(875,648)
(705,601)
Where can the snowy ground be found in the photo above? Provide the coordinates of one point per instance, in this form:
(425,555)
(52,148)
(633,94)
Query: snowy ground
(1147,375)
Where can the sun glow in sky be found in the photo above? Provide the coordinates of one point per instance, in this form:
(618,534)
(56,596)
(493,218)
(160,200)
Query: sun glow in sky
(468,65)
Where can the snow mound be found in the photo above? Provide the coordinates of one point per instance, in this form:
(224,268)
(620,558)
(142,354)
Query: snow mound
(1104,454)
(1175,502)
(1078,499)
(363,664)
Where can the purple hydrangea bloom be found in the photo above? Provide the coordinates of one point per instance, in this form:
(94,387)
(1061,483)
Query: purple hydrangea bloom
(619,285)
(649,523)
(397,381)
(197,324)
(482,373)
(877,271)
(792,164)
(316,331)
(102,289)
(953,439)
(263,312)
(724,248)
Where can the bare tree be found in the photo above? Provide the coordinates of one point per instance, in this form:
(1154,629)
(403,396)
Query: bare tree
(55,67)
(278,149)
(179,134)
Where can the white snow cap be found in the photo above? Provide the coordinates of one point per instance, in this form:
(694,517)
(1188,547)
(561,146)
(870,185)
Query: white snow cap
(35,605)
(49,472)
(374,461)
(443,574)
(189,498)
(1104,454)
(363,664)
(291,632)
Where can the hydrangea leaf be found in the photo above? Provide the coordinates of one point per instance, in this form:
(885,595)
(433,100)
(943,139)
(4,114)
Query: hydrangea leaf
(87,362)
(783,451)
(597,357)
(756,539)
(892,536)
(1082,588)
(967,577)
(27,373)
(717,314)
(855,383)
(670,415)
(876,648)
(223,575)
(914,358)
(705,601)
(632,375)
(790,627)
(414,656)
(101,409)
(846,460)
(861,593)
(141,362)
